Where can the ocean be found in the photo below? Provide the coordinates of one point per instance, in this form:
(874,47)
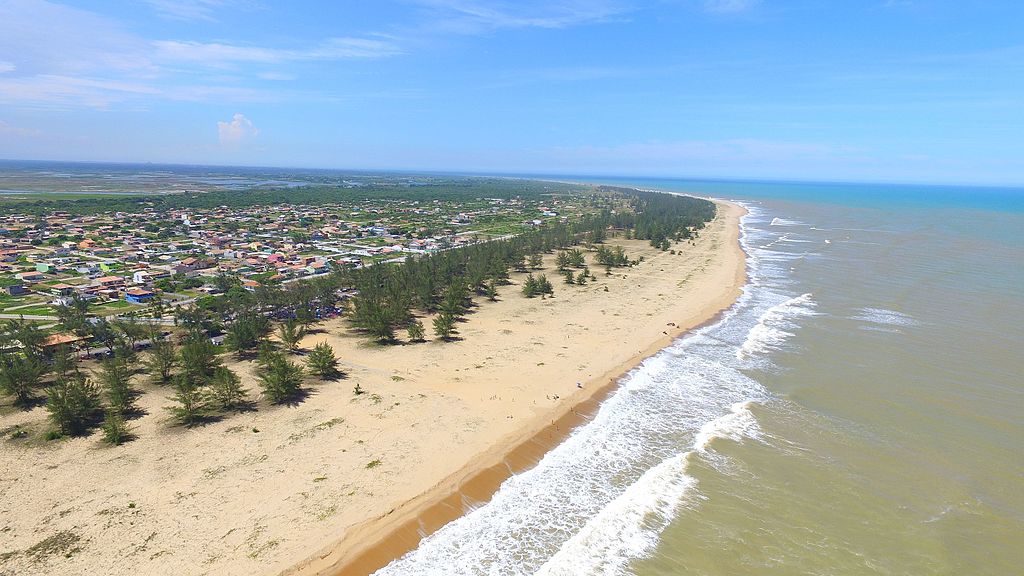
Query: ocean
(858,411)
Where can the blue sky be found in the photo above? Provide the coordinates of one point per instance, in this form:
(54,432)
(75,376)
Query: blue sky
(877,90)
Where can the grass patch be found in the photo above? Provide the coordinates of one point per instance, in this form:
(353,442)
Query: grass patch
(112,305)
(33,311)
(63,542)
(373,464)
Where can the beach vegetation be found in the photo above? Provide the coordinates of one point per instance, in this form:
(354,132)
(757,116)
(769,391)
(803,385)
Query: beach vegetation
(190,401)
(291,332)
(161,361)
(225,389)
(281,378)
(64,363)
(530,288)
(322,362)
(246,332)
(198,359)
(544,287)
(561,261)
(612,257)
(416,331)
(20,377)
(444,326)
(73,405)
(378,317)
(116,430)
(115,379)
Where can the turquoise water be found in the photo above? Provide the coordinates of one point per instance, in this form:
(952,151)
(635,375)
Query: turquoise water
(883,196)
(857,412)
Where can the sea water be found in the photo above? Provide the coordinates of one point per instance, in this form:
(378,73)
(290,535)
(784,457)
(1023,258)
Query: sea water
(858,411)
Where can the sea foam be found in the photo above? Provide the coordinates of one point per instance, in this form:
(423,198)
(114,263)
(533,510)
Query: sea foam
(885,317)
(773,327)
(629,526)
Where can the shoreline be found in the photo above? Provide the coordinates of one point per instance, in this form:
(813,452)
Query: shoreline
(344,481)
(374,543)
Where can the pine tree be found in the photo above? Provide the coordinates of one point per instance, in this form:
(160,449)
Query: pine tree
(291,333)
(19,377)
(530,287)
(191,402)
(322,361)
(246,332)
(115,429)
(562,261)
(281,380)
(444,326)
(163,358)
(416,331)
(73,405)
(115,381)
(198,357)
(544,287)
(226,390)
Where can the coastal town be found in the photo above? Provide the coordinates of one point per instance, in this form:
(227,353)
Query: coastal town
(147,263)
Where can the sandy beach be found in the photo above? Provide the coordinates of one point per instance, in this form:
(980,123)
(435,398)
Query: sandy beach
(340,483)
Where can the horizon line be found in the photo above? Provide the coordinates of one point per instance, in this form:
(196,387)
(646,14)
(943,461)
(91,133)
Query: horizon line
(531,175)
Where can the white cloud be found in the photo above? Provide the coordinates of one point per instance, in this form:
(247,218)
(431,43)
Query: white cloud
(236,132)
(57,57)
(60,91)
(216,54)
(729,6)
(186,9)
(17,131)
(471,16)
(39,37)
(276,76)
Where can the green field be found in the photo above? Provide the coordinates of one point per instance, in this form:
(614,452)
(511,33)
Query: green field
(33,311)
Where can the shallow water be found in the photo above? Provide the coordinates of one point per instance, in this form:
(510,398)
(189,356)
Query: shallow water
(857,412)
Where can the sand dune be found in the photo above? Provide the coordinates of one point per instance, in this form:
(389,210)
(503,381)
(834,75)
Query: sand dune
(324,485)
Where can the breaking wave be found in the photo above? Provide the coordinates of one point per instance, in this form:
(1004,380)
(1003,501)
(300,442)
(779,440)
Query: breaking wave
(773,327)
(785,222)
